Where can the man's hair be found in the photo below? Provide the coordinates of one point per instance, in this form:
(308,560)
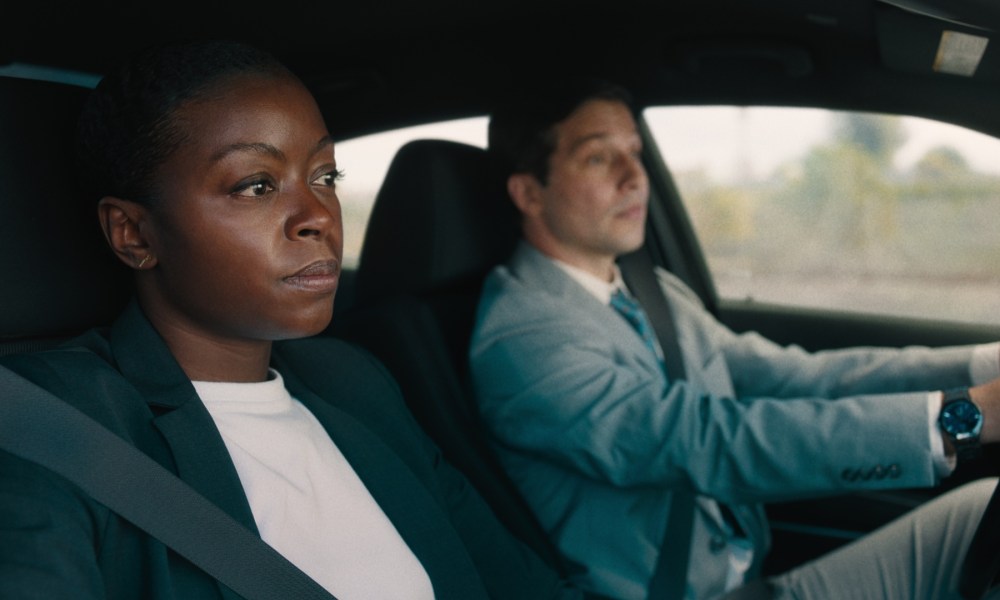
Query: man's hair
(522,133)
(127,129)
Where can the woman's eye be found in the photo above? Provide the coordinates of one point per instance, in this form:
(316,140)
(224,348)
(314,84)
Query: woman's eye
(330,178)
(255,188)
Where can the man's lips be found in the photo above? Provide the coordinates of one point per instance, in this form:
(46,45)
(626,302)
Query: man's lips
(632,211)
(320,277)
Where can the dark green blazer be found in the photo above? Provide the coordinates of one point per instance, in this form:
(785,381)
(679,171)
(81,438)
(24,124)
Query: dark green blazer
(55,542)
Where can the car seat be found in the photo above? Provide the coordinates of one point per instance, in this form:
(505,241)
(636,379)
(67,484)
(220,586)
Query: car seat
(440,222)
(58,277)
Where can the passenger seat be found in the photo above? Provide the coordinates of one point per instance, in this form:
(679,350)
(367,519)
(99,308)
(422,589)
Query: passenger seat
(58,276)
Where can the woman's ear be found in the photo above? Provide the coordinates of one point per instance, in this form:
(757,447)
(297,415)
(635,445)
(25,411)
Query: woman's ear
(122,222)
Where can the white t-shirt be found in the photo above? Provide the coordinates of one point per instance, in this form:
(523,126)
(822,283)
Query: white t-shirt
(306,499)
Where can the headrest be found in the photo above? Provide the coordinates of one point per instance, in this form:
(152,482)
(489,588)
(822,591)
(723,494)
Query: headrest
(57,276)
(441,218)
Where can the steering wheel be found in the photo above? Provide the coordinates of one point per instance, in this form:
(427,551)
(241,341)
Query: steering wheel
(982,560)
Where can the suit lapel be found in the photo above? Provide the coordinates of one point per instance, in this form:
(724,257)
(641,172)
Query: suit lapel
(200,455)
(403,496)
(539,272)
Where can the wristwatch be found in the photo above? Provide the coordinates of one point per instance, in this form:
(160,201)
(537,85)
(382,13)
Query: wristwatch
(962,421)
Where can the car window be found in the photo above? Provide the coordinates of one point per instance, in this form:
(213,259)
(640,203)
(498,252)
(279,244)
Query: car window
(365,160)
(838,210)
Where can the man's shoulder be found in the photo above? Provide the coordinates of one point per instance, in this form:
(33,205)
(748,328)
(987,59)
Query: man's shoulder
(526,272)
(674,287)
(508,293)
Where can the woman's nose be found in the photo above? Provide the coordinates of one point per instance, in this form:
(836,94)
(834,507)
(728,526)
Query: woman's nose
(312,215)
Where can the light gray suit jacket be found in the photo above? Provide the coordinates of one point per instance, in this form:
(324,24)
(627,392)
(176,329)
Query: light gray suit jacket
(597,438)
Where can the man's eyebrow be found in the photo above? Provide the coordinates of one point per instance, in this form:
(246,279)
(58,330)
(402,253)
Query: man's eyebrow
(585,139)
(597,136)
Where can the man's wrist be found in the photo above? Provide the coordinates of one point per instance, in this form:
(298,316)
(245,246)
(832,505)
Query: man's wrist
(961,423)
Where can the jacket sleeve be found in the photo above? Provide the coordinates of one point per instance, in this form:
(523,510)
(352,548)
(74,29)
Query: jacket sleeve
(762,368)
(553,384)
(47,535)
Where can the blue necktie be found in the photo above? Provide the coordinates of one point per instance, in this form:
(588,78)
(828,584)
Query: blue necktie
(633,313)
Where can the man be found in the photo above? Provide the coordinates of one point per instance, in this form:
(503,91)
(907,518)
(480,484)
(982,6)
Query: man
(604,443)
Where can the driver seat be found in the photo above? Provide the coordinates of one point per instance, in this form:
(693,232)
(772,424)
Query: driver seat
(440,222)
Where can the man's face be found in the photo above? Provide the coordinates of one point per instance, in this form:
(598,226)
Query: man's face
(593,207)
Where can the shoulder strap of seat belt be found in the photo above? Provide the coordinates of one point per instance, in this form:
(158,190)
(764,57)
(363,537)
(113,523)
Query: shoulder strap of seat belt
(640,277)
(669,579)
(39,427)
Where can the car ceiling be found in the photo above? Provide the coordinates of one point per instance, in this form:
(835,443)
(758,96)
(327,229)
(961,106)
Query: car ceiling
(375,65)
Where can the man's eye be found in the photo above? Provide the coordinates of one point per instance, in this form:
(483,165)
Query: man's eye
(254,188)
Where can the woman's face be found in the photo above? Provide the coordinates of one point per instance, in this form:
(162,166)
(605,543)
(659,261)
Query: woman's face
(246,231)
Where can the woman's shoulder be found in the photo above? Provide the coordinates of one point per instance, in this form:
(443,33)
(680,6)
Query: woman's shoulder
(335,359)
(88,352)
(344,375)
(71,370)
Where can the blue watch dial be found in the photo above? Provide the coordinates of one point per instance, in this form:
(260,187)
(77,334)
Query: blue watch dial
(961,418)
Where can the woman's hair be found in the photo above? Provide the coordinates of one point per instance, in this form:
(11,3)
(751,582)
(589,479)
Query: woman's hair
(127,128)
(522,133)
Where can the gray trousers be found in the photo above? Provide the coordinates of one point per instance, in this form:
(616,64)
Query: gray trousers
(917,556)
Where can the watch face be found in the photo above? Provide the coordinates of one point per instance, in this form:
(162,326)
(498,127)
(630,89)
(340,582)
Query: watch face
(961,418)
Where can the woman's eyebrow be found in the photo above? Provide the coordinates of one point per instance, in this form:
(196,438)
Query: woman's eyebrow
(324,142)
(263,148)
(252,147)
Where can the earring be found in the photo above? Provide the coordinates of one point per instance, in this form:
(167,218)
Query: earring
(145,259)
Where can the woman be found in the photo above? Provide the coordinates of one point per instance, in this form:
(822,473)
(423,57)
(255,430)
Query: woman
(216,181)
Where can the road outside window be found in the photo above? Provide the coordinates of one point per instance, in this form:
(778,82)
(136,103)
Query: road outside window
(846,211)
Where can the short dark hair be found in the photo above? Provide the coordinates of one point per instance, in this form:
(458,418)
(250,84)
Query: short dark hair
(522,129)
(126,129)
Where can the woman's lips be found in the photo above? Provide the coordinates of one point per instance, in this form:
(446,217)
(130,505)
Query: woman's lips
(319,277)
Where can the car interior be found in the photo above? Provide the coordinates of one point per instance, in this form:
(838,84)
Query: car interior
(439,221)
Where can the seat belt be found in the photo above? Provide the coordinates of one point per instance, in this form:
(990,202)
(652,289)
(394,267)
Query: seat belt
(640,277)
(669,580)
(39,427)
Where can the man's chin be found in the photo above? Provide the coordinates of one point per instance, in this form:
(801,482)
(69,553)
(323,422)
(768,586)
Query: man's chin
(631,243)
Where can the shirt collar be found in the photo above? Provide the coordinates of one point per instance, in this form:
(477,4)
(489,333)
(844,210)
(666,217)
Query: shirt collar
(596,286)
